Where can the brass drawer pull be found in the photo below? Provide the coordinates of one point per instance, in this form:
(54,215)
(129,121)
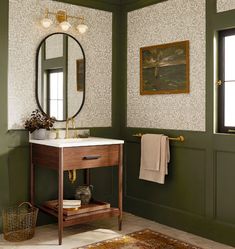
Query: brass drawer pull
(90,157)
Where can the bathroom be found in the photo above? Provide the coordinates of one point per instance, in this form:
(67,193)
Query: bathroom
(197,196)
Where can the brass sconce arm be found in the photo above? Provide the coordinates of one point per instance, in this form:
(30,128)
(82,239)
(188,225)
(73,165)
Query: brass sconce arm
(62,18)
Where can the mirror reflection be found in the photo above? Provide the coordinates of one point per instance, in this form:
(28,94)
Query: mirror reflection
(60,80)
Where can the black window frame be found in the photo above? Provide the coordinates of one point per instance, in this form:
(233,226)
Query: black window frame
(221,76)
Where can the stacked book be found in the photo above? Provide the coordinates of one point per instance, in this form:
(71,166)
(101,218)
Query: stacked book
(71,204)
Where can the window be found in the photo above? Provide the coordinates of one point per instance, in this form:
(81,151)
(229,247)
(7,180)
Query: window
(56,94)
(226,81)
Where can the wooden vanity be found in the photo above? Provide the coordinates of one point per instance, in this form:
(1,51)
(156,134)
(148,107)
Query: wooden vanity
(69,154)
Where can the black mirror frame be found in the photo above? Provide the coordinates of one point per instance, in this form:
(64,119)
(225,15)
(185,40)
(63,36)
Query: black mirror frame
(36,81)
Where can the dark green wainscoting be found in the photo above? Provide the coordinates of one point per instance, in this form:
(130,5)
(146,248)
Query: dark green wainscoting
(198,195)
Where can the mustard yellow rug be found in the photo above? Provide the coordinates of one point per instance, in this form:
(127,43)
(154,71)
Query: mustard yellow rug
(144,239)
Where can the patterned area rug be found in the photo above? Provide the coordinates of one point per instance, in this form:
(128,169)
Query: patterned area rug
(144,239)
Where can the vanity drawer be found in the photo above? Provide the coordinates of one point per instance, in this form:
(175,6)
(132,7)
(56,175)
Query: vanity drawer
(91,156)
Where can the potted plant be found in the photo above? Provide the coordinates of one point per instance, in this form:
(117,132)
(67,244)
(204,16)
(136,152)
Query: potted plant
(38,123)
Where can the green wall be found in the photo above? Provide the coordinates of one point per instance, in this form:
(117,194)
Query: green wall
(198,194)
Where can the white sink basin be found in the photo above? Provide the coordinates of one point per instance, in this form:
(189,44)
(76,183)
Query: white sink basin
(77,142)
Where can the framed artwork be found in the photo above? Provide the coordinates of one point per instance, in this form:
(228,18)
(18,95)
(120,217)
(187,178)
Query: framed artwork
(80,75)
(164,69)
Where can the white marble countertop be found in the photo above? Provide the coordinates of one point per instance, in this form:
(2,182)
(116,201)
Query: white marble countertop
(77,142)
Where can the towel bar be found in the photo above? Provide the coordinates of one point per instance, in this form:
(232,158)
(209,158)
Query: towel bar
(180,138)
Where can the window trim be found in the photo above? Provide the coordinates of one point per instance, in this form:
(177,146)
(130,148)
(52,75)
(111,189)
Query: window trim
(221,76)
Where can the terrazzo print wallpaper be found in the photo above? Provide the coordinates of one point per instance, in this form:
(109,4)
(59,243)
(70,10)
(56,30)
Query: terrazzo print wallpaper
(25,34)
(166,22)
(75,97)
(224,5)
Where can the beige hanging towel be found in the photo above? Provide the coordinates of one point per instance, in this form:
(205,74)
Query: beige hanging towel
(155,155)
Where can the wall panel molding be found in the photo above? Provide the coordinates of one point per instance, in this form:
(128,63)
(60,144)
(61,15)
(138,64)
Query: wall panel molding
(224,190)
(185,184)
(185,221)
(4,172)
(156,205)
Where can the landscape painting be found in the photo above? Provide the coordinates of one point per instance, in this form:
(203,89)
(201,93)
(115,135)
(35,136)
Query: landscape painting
(164,69)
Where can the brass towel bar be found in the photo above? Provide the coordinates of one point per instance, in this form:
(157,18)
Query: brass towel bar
(180,138)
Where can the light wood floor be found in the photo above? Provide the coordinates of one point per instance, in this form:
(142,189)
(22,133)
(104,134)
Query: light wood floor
(80,235)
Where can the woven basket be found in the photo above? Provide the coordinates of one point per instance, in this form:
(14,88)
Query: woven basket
(19,222)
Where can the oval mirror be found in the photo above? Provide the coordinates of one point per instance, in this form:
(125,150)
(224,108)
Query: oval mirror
(60,76)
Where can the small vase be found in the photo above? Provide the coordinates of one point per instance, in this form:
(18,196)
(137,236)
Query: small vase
(83,193)
(39,134)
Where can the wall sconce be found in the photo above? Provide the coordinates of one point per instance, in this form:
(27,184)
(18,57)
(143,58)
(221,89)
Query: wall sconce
(62,18)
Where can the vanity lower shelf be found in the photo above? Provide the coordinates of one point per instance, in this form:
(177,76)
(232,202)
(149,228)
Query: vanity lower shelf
(94,205)
(83,217)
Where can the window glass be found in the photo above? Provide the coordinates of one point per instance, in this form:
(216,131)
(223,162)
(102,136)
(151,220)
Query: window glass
(229,105)
(56,95)
(230,58)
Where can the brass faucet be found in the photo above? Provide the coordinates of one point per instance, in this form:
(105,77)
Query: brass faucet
(75,134)
(73,126)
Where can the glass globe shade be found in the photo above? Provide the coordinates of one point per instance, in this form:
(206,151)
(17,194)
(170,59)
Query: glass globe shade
(82,28)
(46,22)
(65,25)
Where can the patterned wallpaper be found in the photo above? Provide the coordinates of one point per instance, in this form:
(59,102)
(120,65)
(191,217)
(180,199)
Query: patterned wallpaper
(25,34)
(170,21)
(75,97)
(224,5)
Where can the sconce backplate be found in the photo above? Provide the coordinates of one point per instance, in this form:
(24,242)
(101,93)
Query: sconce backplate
(61,16)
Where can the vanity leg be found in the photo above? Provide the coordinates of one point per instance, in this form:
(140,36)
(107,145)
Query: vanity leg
(60,196)
(32,177)
(120,166)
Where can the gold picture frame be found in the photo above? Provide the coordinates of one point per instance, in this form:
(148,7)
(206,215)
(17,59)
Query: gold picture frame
(164,69)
